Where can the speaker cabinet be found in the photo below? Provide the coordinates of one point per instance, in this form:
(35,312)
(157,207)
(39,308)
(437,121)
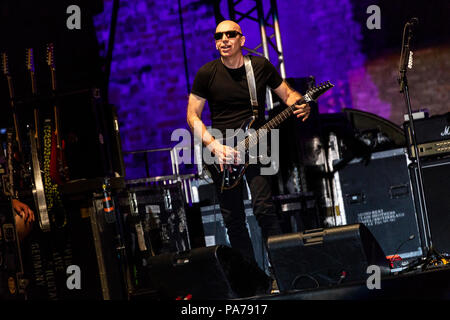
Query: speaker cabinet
(324,257)
(436,220)
(379,195)
(209,273)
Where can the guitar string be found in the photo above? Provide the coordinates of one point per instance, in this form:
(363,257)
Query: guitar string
(251,140)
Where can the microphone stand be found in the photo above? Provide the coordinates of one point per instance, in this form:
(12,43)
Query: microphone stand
(403,81)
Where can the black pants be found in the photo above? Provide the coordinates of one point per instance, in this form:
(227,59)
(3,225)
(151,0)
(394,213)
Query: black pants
(233,212)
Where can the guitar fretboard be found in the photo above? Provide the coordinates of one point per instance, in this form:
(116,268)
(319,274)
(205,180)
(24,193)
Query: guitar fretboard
(253,139)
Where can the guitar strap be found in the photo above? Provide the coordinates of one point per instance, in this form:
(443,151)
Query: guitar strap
(251,85)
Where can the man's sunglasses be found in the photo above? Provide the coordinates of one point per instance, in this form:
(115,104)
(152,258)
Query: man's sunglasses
(229,34)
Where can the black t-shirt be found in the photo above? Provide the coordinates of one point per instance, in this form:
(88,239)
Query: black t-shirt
(227,90)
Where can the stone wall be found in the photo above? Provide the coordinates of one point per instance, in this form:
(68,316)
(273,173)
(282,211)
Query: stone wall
(329,40)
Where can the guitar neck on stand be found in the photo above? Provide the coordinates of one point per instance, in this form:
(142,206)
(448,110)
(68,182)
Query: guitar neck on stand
(51,64)
(38,187)
(6,72)
(59,169)
(32,73)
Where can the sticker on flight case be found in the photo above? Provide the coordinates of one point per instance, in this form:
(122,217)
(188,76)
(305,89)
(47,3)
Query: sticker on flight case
(12,285)
(152,209)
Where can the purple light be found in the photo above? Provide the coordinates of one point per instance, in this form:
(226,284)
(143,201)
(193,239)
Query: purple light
(148,78)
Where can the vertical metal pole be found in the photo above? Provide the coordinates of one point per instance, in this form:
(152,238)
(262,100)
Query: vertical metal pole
(183,41)
(276,26)
(147,170)
(262,28)
(231,10)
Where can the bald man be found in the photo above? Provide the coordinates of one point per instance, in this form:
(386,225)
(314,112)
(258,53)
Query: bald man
(223,83)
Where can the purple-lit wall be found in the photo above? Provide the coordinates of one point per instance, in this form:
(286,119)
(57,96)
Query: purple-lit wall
(149,83)
(148,79)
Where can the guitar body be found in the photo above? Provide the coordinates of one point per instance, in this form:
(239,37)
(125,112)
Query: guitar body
(232,173)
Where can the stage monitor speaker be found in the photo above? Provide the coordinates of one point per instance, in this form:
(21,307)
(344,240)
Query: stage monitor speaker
(324,257)
(436,175)
(209,273)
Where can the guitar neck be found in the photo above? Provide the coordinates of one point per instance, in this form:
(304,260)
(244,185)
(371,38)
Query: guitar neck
(56,109)
(252,140)
(286,113)
(36,109)
(311,95)
(33,83)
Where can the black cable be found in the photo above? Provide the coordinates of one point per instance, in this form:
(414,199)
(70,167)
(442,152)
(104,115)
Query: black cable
(292,287)
(411,237)
(431,256)
(424,263)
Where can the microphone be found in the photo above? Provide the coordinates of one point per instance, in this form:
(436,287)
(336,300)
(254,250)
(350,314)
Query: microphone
(405,55)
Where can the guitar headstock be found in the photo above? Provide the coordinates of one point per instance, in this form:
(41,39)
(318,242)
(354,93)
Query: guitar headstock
(30,60)
(51,56)
(5,67)
(315,92)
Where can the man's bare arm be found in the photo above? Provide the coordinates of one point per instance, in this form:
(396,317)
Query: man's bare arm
(289,97)
(194,120)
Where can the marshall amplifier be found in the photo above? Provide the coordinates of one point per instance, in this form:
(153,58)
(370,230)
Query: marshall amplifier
(432,136)
(436,218)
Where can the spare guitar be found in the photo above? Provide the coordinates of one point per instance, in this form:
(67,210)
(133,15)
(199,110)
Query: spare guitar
(5,68)
(38,186)
(232,173)
(58,166)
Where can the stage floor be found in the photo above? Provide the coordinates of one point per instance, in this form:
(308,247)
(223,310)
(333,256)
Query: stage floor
(433,283)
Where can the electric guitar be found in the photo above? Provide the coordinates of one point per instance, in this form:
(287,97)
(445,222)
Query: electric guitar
(38,186)
(58,166)
(232,173)
(5,68)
